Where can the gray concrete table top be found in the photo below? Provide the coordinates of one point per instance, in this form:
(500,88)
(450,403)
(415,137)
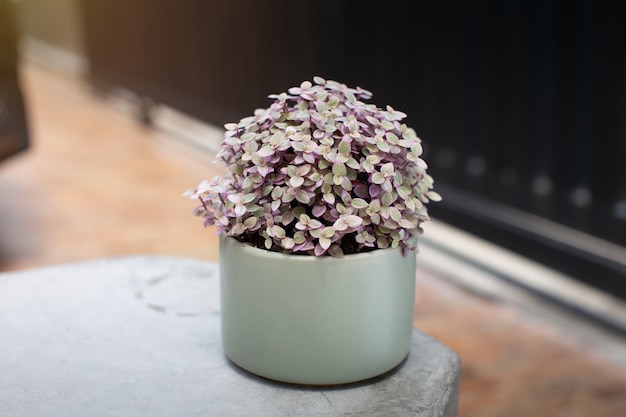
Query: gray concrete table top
(140,336)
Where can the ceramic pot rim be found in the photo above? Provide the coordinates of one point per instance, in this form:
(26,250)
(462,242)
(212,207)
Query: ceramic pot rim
(255,251)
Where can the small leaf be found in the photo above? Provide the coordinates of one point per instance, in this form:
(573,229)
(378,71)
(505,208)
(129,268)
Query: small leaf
(354,221)
(344,147)
(382,242)
(303,197)
(395,214)
(266,150)
(339,169)
(296,182)
(288,243)
(277,192)
(434,196)
(299,238)
(250,222)
(377,178)
(335,251)
(240,210)
(359,203)
(324,242)
(387,169)
(315,224)
(387,199)
(276,139)
(406,224)
(248,198)
(277,232)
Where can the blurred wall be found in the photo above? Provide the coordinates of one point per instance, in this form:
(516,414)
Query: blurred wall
(51,33)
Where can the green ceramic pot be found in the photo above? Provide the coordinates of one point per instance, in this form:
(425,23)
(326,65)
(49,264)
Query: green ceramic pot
(315,321)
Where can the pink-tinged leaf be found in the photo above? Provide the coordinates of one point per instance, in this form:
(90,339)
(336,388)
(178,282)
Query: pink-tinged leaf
(354,221)
(339,169)
(359,203)
(235,198)
(374,205)
(318,211)
(324,242)
(240,210)
(296,182)
(387,199)
(335,251)
(406,224)
(250,222)
(277,232)
(304,247)
(288,197)
(265,151)
(288,243)
(395,214)
(248,198)
(361,191)
(387,169)
(340,224)
(297,146)
(328,232)
(307,157)
(251,208)
(367,166)
(344,147)
(263,170)
(373,121)
(392,138)
(374,190)
(302,170)
(277,192)
(319,251)
(383,146)
(237,229)
(378,178)
(315,224)
(434,196)
(303,197)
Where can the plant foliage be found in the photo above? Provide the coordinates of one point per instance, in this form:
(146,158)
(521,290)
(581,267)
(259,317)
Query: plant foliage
(320,172)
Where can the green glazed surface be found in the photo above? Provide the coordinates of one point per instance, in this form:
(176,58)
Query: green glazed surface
(316,321)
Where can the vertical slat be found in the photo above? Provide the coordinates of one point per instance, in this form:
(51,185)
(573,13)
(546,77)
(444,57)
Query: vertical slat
(541,141)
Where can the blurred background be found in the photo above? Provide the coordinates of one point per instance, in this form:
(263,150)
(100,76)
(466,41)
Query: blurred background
(521,104)
(110,109)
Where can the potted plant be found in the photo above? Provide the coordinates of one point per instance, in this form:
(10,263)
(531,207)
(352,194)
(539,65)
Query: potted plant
(319,217)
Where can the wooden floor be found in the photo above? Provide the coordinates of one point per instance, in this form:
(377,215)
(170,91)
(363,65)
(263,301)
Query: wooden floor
(96,184)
